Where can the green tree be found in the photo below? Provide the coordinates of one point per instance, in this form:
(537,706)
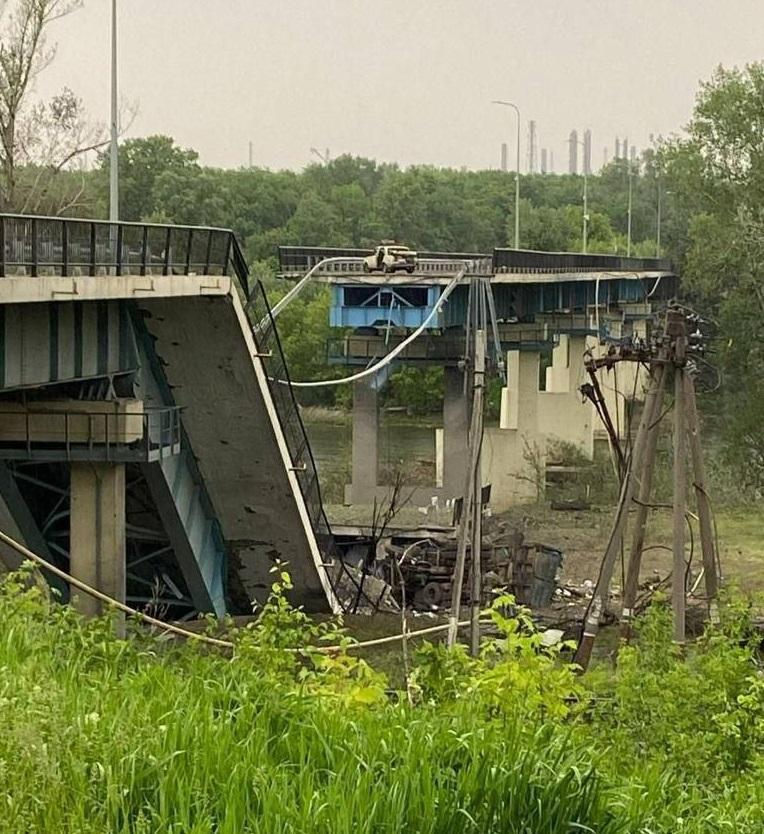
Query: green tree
(717,174)
(141,163)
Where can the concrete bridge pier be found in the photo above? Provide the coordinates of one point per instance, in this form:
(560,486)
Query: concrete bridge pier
(450,444)
(365,449)
(451,448)
(97,534)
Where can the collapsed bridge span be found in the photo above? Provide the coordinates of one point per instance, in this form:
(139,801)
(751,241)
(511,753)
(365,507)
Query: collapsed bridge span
(143,445)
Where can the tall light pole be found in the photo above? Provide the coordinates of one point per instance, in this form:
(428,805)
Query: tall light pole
(517,171)
(658,214)
(114,148)
(585,231)
(628,224)
(586,213)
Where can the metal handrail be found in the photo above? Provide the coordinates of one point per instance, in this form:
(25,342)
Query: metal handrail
(160,430)
(269,347)
(70,247)
(531,260)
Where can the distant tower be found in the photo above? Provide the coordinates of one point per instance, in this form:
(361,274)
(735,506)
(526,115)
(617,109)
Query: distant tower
(503,156)
(632,154)
(587,159)
(543,160)
(532,150)
(573,152)
(617,154)
(625,149)
(551,162)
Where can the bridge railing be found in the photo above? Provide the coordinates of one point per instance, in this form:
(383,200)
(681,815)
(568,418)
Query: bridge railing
(269,347)
(297,260)
(527,260)
(78,434)
(41,246)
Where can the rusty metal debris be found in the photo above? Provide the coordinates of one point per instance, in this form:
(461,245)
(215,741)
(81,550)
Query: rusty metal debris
(414,568)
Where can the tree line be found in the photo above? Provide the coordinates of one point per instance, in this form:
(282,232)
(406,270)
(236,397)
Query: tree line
(699,195)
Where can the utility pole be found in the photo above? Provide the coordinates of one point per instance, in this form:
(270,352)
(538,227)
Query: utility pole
(703,502)
(652,407)
(114,147)
(601,594)
(517,171)
(672,352)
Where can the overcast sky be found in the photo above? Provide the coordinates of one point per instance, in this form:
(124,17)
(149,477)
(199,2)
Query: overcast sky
(401,80)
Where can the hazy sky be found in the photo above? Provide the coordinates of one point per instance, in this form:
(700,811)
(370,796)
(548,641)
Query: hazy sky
(401,80)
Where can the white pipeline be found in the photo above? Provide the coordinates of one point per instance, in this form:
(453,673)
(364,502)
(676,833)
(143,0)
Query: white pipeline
(388,357)
(300,286)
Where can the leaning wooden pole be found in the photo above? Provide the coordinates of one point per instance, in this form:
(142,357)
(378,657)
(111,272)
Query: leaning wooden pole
(653,406)
(462,534)
(707,543)
(477,504)
(601,406)
(678,579)
(465,522)
(599,600)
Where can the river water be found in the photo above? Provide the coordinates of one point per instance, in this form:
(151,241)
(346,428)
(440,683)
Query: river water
(402,445)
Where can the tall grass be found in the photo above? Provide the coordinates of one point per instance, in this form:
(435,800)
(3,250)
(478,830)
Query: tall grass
(139,736)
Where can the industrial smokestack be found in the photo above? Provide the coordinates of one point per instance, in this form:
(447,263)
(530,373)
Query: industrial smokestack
(573,152)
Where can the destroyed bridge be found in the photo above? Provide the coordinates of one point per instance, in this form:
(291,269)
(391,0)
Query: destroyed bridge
(148,445)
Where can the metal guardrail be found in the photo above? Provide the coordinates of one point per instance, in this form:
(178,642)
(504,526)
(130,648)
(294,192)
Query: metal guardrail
(297,260)
(527,260)
(114,436)
(445,268)
(40,246)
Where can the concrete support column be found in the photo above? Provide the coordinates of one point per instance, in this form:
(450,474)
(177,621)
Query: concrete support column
(519,400)
(558,375)
(365,443)
(97,537)
(455,431)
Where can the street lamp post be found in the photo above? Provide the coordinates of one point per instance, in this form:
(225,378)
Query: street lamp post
(586,213)
(658,216)
(517,171)
(585,231)
(114,148)
(628,224)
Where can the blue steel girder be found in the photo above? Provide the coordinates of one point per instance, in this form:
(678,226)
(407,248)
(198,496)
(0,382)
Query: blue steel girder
(193,533)
(64,341)
(180,497)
